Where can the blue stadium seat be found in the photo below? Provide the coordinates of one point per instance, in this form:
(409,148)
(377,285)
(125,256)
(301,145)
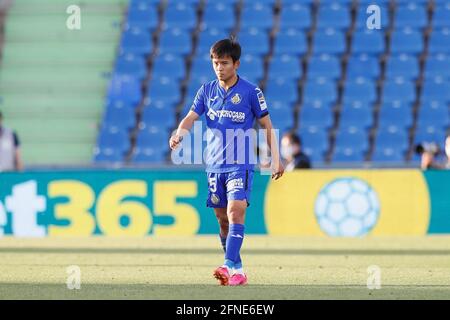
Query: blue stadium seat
(180,15)
(405,66)
(439,41)
(421,2)
(433,113)
(108,155)
(218,9)
(254,41)
(411,15)
(132,65)
(329,41)
(437,66)
(295,16)
(428,134)
(285,66)
(291,2)
(311,116)
(324,65)
(176,41)
(352,137)
(334,15)
(136,41)
(257,15)
(290,41)
(251,68)
(124,88)
(396,114)
(314,142)
(148,155)
(143,15)
(160,115)
(168,65)
(111,137)
(150,136)
(392,137)
(202,66)
(368,41)
(208,37)
(362,16)
(283,122)
(363,65)
(320,89)
(354,115)
(441,16)
(121,117)
(280,89)
(164,88)
(387,154)
(348,154)
(436,89)
(359,89)
(407,41)
(136,3)
(399,89)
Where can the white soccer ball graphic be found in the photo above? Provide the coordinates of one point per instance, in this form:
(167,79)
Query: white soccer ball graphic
(347,207)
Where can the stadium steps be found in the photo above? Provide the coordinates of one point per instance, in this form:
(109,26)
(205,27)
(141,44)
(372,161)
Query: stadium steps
(53,80)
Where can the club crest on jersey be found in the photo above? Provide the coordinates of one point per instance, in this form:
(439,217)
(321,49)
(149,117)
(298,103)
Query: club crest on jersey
(215,198)
(236,99)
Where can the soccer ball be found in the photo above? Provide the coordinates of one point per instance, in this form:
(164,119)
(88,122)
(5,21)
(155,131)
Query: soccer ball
(347,207)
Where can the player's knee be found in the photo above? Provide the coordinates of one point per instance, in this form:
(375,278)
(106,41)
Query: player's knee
(236,216)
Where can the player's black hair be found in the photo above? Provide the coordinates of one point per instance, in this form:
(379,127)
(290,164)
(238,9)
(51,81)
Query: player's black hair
(295,139)
(226,48)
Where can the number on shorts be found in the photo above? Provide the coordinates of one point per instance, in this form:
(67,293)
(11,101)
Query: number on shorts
(213,184)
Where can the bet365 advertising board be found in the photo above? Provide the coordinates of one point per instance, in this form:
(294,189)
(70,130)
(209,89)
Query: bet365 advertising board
(347,203)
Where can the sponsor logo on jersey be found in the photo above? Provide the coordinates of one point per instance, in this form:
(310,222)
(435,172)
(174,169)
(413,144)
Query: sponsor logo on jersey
(235,184)
(235,116)
(262,101)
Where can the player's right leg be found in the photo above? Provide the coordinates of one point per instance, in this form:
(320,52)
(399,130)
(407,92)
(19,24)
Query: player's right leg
(217,200)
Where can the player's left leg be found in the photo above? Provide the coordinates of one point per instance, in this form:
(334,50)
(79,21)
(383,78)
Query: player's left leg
(236,216)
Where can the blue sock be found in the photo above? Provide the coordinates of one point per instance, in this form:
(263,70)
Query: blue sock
(238,263)
(234,243)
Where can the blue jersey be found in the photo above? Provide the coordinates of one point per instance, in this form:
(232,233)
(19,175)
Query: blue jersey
(229,115)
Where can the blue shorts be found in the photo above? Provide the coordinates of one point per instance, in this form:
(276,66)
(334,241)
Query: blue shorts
(227,186)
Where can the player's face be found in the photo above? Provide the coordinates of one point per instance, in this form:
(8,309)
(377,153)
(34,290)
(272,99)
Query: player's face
(224,68)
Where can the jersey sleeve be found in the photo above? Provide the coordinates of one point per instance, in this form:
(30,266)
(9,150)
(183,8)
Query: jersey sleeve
(258,103)
(199,102)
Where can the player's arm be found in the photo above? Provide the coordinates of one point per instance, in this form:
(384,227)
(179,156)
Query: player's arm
(17,154)
(185,125)
(272,143)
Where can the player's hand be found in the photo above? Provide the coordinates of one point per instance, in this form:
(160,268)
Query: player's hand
(277,170)
(174,141)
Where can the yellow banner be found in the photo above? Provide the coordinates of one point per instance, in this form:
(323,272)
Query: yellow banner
(348,203)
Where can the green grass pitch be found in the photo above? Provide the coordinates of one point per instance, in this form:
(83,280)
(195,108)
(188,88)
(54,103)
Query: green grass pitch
(181,268)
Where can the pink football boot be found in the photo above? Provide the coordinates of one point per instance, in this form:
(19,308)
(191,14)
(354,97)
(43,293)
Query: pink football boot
(222,274)
(238,279)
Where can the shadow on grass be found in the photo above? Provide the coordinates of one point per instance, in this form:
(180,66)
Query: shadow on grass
(214,251)
(47,291)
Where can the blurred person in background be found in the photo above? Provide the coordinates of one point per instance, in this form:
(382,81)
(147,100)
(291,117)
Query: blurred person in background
(291,151)
(10,159)
(431,156)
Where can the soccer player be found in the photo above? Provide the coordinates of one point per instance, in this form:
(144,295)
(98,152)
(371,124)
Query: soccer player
(230,103)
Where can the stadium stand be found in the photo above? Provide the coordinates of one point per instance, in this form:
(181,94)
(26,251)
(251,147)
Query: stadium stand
(53,79)
(353,94)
